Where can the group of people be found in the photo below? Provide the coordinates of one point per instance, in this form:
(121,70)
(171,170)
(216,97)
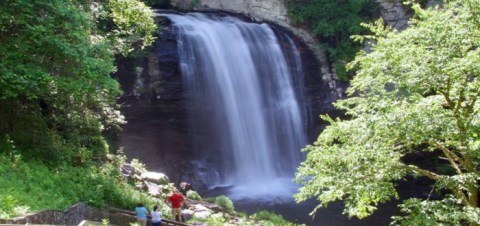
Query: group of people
(175,201)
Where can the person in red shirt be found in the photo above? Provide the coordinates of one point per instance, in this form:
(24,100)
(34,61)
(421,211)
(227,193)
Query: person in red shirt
(176,202)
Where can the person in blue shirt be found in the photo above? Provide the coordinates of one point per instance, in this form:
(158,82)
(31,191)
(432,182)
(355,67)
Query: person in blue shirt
(141,212)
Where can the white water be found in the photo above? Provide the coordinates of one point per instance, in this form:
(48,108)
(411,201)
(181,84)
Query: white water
(242,96)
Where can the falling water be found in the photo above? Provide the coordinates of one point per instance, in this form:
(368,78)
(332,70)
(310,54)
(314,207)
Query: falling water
(244,92)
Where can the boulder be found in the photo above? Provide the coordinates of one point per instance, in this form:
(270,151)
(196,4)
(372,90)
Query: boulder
(155,177)
(153,189)
(187,214)
(200,211)
(127,170)
(202,214)
(184,187)
(189,203)
(199,208)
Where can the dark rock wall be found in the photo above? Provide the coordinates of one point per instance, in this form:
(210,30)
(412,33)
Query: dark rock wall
(154,107)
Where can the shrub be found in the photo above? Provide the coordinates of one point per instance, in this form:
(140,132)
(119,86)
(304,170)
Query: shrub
(267,218)
(193,195)
(225,202)
(215,219)
(38,187)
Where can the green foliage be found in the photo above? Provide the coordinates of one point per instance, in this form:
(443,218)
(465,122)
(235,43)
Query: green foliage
(267,218)
(37,187)
(214,219)
(430,212)
(334,21)
(225,202)
(416,92)
(134,24)
(105,222)
(10,206)
(193,195)
(57,98)
(138,165)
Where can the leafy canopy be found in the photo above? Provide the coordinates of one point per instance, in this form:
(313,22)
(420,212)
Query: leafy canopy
(334,21)
(56,94)
(415,93)
(134,24)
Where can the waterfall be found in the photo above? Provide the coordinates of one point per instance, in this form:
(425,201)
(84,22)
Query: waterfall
(244,88)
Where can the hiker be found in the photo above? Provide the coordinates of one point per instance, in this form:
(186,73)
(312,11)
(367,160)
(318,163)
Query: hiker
(141,213)
(156,216)
(176,201)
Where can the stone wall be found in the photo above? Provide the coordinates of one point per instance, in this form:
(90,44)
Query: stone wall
(71,216)
(78,213)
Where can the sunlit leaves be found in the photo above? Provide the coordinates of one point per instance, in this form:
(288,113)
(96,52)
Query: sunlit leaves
(448,211)
(134,24)
(416,91)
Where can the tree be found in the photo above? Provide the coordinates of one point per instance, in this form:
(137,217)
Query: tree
(413,96)
(56,93)
(334,21)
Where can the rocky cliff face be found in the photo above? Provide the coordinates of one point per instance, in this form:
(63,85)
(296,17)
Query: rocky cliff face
(153,104)
(264,10)
(394,13)
(275,11)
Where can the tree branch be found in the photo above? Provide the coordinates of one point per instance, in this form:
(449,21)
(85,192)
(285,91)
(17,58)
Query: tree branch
(460,100)
(455,190)
(452,157)
(423,172)
(446,94)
